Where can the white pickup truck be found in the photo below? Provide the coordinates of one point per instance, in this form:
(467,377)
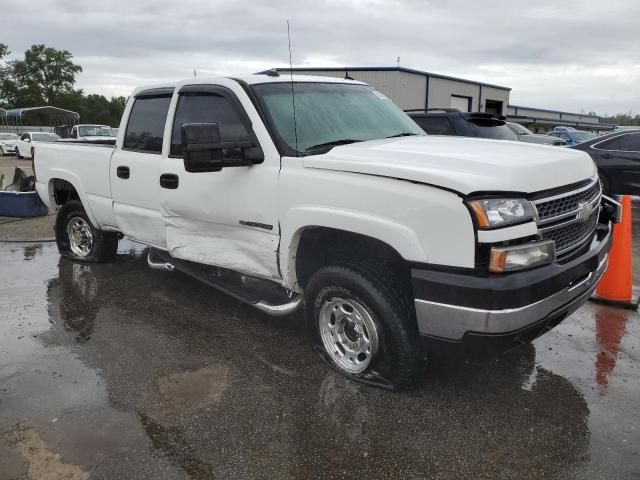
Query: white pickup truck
(321,192)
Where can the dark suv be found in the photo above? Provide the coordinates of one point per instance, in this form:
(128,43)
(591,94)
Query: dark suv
(451,121)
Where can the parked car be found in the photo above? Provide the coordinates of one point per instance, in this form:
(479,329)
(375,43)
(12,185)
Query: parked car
(571,135)
(8,143)
(28,140)
(526,135)
(617,156)
(386,235)
(451,121)
(92,134)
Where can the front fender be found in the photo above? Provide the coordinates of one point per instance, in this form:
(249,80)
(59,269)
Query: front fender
(397,236)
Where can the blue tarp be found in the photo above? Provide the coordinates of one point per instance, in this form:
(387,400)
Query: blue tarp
(21,205)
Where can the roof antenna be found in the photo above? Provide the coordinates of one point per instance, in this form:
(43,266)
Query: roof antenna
(293,95)
(346,74)
(398,62)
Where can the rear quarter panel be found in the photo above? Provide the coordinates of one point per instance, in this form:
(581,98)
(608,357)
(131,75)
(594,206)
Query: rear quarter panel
(86,167)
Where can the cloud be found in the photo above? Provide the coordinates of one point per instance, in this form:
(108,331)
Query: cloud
(569,55)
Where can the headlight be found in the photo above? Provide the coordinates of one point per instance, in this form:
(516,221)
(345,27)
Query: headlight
(499,212)
(521,257)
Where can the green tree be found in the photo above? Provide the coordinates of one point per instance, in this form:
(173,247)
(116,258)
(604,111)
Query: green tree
(6,86)
(44,76)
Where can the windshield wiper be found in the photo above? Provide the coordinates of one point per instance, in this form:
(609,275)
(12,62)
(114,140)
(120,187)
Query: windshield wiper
(403,134)
(333,143)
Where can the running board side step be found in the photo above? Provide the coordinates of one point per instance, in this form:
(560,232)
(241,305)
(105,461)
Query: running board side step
(265,295)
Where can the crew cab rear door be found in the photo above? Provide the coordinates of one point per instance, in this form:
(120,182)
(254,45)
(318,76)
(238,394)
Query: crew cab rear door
(135,168)
(226,218)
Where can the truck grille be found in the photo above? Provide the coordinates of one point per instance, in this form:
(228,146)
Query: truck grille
(554,207)
(569,219)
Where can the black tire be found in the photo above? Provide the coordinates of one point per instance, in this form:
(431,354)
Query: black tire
(18,153)
(399,359)
(104,244)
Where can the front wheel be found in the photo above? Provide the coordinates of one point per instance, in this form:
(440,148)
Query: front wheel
(2,152)
(18,153)
(78,239)
(364,326)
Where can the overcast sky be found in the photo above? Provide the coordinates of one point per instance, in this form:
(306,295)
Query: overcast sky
(557,54)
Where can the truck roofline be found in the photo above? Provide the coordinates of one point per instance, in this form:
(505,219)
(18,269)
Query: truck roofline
(253,79)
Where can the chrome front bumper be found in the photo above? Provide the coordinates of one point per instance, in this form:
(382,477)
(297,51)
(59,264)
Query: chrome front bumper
(452,304)
(452,322)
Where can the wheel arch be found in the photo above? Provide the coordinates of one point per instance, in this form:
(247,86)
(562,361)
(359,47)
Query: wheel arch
(64,187)
(349,232)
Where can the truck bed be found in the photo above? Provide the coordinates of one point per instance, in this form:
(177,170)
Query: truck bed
(84,165)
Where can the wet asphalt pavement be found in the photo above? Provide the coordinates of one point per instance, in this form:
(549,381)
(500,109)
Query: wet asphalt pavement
(117,371)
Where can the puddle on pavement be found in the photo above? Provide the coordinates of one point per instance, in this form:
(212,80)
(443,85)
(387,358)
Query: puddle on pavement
(40,461)
(128,372)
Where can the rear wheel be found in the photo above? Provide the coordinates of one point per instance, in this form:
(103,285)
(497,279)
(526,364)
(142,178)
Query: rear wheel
(78,239)
(364,327)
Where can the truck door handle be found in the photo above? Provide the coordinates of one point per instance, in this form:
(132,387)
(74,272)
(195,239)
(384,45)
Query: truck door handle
(123,172)
(169,180)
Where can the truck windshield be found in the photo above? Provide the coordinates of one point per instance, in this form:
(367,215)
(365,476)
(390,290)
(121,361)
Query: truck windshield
(95,131)
(582,136)
(45,137)
(490,129)
(330,114)
(519,129)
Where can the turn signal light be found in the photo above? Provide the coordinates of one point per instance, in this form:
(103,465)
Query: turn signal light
(521,257)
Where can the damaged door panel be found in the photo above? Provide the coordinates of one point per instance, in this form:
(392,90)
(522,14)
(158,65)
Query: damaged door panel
(219,211)
(135,167)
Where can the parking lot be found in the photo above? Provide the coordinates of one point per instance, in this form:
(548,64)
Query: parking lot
(118,371)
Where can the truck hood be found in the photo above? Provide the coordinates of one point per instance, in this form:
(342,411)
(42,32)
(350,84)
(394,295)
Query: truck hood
(462,164)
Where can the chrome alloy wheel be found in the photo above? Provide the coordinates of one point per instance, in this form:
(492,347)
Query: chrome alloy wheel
(80,236)
(348,333)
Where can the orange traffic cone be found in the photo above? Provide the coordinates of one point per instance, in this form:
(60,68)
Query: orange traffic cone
(615,288)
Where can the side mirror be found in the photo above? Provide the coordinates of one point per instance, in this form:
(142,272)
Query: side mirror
(204,151)
(28,140)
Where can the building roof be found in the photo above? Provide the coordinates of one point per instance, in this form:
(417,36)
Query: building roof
(390,69)
(53,111)
(555,111)
(526,119)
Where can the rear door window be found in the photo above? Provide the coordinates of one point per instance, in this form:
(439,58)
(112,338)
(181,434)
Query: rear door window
(624,143)
(145,128)
(436,125)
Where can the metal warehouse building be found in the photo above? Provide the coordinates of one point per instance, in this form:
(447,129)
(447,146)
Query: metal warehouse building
(412,89)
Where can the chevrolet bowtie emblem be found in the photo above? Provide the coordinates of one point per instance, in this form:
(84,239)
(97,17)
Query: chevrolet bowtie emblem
(584,212)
